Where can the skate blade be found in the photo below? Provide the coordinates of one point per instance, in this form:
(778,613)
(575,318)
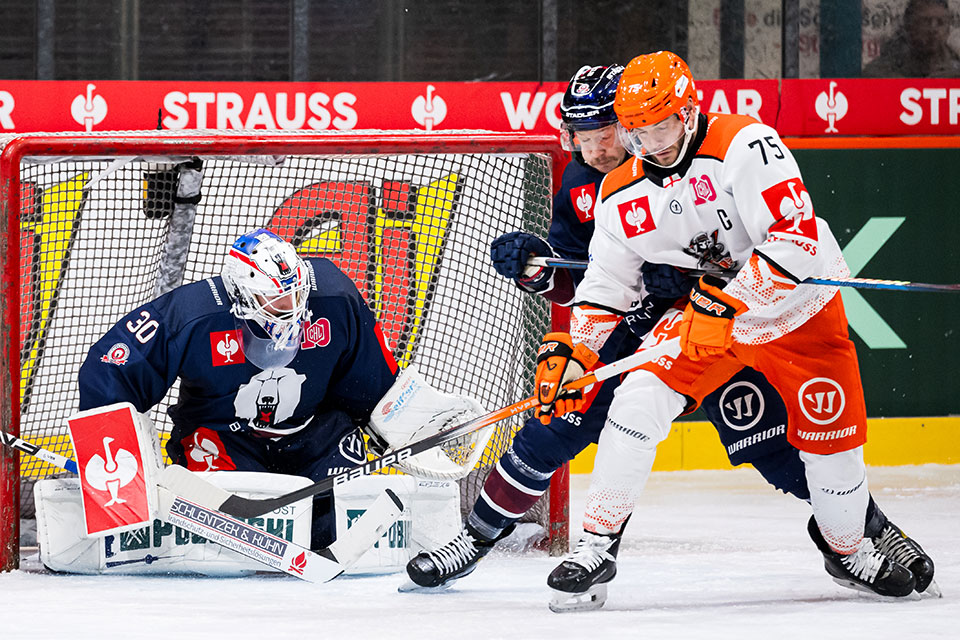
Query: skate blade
(590,600)
(856,586)
(412,587)
(932,590)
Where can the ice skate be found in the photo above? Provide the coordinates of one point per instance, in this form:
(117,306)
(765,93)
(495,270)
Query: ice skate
(458,558)
(579,583)
(892,542)
(866,569)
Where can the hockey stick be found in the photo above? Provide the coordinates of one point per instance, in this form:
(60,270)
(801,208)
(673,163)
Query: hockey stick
(858,283)
(265,548)
(36,451)
(186,483)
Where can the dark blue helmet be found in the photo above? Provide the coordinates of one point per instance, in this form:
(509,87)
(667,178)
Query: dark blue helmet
(588,101)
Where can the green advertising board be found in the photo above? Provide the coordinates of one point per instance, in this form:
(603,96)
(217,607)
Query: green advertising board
(895,213)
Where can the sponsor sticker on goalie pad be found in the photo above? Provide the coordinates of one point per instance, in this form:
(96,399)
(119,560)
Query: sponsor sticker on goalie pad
(117,455)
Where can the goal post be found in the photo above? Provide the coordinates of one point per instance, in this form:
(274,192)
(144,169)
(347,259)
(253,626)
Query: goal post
(96,224)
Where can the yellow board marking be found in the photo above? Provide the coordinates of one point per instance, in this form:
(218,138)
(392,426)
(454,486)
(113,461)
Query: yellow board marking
(59,206)
(890,442)
(432,213)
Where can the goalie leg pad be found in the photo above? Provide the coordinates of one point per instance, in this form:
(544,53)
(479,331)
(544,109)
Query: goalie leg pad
(431,517)
(159,547)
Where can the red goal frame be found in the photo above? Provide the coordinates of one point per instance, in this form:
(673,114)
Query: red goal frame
(201,143)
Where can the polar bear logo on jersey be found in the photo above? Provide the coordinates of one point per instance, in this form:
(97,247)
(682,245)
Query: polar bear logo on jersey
(269,398)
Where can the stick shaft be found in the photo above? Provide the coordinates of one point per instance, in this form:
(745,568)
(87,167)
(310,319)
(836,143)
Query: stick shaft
(857,283)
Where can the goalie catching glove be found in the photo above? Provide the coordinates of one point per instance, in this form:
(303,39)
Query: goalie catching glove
(413,410)
(559,362)
(707,325)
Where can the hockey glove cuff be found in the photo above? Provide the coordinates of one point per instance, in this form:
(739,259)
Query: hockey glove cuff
(559,362)
(707,325)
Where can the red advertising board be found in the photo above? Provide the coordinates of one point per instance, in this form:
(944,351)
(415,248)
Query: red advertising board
(861,107)
(497,106)
(829,107)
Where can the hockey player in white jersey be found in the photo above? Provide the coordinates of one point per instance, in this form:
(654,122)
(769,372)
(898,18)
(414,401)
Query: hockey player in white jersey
(720,193)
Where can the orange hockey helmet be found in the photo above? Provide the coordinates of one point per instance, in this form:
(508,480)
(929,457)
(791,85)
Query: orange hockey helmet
(653,87)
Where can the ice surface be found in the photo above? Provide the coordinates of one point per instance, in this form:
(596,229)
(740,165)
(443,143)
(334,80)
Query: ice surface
(708,554)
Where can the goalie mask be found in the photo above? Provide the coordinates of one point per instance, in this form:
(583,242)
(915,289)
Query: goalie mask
(268,284)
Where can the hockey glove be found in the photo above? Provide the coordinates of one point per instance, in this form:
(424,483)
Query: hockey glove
(510,253)
(559,362)
(707,325)
(666,281)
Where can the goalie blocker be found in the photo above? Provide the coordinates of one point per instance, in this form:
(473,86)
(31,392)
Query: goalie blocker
(118,472)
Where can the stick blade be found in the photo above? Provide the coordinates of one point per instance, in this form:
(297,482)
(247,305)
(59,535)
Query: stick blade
(351,544)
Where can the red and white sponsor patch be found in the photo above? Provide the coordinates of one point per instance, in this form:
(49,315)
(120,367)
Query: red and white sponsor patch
(226,347)
(703,191)
(584,198)
(316,334)
(791,206)
(636,217)
(112,479)
(204,451)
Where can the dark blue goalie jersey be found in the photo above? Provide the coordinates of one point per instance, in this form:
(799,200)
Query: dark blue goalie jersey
(190,334)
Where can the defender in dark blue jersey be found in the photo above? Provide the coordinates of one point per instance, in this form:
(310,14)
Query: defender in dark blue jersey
(280,362)
(749,415)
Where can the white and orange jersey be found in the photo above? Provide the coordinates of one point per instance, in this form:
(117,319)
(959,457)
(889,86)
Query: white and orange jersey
(738,204)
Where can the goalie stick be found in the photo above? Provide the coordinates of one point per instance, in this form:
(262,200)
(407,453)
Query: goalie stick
(186,483)
(256,544)
(857,283)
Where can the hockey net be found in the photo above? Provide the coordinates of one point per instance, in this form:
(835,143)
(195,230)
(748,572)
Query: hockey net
(97,224)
